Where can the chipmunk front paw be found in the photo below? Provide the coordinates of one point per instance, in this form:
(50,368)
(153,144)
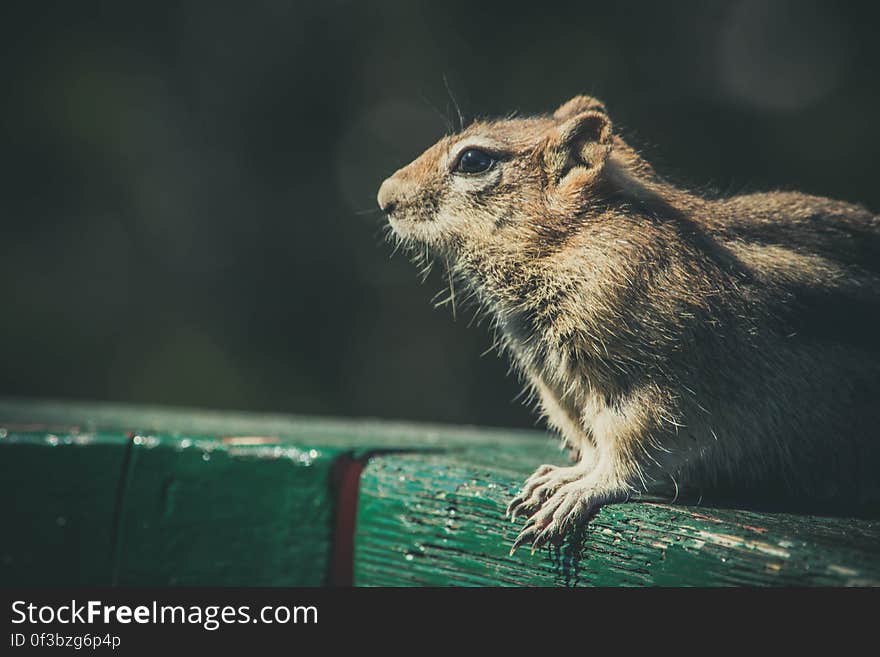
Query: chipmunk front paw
(545,481)
(573,503)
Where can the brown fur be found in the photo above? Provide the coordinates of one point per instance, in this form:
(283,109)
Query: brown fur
(712,344)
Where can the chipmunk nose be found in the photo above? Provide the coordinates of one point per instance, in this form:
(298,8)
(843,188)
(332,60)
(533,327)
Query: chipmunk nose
(389,194)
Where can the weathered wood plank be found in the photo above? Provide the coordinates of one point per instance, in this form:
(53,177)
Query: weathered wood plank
(190,497)
(61,486)
(360,436)
(132,506)
(437,519)
(226,511)
(132,495)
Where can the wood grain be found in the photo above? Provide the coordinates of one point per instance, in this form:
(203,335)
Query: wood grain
(115,494)
(437,520)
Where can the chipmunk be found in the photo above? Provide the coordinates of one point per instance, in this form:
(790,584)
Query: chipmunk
(672,339)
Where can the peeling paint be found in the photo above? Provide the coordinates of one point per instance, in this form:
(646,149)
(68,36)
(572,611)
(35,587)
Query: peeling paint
(249,440)
(842,570)
(737,542)
(625,544)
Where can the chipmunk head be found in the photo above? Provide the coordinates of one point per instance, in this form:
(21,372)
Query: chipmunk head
(498,176)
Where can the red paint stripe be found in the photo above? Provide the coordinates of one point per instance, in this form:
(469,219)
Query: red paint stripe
(346,481)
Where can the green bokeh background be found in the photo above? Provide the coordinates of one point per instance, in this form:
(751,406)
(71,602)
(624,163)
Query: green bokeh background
(187,208)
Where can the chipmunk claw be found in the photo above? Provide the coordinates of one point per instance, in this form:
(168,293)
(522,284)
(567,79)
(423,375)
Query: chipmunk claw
(515,508)
(541,486)
(511,511)
(526,501)
(526,534)
(537,534)
(529,488)
(549,532)
(571,505)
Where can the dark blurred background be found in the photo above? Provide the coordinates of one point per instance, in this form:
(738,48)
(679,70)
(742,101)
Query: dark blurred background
(188,187)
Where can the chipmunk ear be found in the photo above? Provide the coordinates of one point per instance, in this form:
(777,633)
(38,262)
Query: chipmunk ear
(577,105)
(579,145)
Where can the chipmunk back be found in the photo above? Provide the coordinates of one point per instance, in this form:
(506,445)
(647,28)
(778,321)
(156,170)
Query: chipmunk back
(675,341)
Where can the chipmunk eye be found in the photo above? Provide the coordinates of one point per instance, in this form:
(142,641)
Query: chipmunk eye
(474,161)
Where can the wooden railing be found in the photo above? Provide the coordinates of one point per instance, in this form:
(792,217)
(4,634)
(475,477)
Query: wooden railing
(119,495)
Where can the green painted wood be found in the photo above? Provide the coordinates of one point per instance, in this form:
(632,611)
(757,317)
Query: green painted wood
(202,497)
(236,511)
(107,493)
(101,498)
(60,486)
(437,520)
(360,436)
